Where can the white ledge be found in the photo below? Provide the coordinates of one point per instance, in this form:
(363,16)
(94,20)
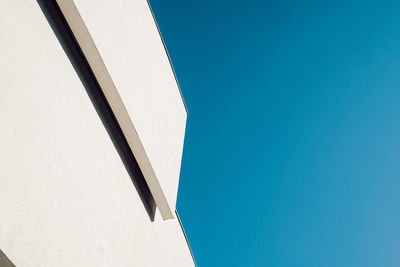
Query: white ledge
(109,89)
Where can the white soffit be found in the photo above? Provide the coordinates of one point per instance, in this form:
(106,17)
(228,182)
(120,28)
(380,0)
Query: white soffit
(125,51)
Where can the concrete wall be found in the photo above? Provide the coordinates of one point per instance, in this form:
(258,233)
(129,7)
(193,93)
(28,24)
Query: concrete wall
(129,43)
(65,196)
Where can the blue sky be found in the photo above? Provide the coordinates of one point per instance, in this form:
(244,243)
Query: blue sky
(292,148)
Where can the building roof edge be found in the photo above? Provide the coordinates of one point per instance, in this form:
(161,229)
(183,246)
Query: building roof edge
(168,56)
(184,234)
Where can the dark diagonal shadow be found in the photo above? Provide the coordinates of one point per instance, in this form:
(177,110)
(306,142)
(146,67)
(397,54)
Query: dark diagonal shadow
(78,60)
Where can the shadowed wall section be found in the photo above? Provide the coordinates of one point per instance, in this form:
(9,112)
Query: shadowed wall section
(67,40)
(4,261)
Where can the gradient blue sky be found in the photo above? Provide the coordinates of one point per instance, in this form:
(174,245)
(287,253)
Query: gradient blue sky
(292,149)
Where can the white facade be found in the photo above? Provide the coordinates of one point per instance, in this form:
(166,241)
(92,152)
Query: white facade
(66,198)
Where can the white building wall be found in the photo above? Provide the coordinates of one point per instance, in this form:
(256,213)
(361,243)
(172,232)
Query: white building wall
(65,196)
(143,76)
(137,79)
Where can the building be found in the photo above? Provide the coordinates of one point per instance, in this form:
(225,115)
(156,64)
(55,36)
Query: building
(91,137)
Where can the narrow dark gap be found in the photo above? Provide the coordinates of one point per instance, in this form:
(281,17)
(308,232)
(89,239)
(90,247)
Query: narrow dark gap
(58,23)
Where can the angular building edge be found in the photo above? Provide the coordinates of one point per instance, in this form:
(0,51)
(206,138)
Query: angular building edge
(107,85)
(169,57)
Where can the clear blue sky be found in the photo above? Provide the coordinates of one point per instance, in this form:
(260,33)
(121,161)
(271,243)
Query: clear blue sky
(292,150)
